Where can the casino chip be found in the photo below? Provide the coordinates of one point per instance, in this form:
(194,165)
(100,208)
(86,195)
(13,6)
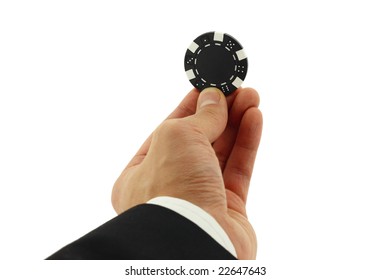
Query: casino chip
(216,60)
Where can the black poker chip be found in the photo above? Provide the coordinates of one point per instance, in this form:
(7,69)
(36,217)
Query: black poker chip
(216,59)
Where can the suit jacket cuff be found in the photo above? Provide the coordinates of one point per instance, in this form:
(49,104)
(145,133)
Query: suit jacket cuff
(199,217)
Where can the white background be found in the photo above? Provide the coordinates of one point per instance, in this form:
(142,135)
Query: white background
(83,83)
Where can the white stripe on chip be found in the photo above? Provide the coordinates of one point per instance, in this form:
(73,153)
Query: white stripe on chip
(194,46)
(218,36)
(241,54)
(237,82)
(190,74)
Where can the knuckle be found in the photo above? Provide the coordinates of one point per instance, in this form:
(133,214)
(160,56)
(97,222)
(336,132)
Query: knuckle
(216,116)
(172,129)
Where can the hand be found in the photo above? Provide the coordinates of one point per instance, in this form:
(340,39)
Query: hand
(202,154)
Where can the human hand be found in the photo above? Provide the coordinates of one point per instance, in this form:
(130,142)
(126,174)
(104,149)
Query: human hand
(202,154)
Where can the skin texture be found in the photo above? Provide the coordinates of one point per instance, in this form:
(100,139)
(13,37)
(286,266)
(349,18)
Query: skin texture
(205,155)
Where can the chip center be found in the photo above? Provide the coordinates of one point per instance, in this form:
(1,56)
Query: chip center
(215,64)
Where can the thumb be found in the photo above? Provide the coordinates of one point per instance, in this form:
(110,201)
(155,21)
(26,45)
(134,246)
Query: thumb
(211,113)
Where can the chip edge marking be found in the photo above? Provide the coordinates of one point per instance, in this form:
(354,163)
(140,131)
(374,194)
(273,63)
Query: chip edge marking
(218,36)
(193,47)
(190,74)
(237,82)
(241,54)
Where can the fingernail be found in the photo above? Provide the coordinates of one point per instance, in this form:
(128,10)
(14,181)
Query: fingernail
(209,96)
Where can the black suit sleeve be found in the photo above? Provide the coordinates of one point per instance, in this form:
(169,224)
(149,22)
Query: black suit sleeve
(144,232)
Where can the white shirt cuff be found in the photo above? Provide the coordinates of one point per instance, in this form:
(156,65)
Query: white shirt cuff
(198,216)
